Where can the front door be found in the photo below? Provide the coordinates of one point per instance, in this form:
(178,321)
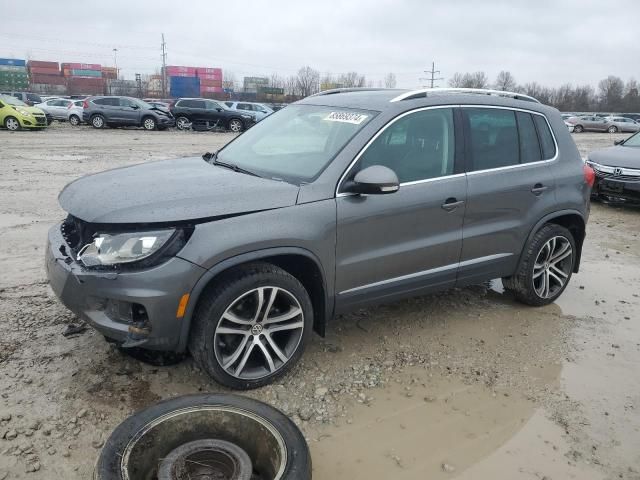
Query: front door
(510,187)
(407,242)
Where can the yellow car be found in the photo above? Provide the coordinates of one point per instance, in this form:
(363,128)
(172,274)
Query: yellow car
(15,114)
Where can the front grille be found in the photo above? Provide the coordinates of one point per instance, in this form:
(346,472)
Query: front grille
(621,178)
(41,120)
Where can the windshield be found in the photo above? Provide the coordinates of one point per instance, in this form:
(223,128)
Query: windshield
(633,141)
(142,103)
(13,101)
(295,144)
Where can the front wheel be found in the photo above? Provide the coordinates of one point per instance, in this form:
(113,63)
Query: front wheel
(149,123)
(546,267)
(183,123)
(12,124)
(251,327)
(236,125)
(578,129)
(613,129)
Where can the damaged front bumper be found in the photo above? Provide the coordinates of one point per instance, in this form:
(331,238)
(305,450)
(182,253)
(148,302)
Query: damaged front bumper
(134,308)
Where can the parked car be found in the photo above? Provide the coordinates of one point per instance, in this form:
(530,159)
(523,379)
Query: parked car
(591,123)
(205,113)
(27,97)
(632,116)
(58,108)
(112,111)
(259,110)
(570,126)
(159,105)
(75,112)
(617,171)
(337,202)
(622,124)
(15,115)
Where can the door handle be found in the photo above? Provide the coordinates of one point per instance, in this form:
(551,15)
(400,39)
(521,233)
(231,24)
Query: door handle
(538,188)
(451,204)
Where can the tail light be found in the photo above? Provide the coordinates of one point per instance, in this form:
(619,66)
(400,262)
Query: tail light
(589,175)
(69,106)
(85,104)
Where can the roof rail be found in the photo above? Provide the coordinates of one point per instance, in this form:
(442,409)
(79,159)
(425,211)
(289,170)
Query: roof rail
(347,90)
(480,91)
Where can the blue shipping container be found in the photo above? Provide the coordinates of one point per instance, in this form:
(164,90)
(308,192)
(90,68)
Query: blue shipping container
(184,86)
(13,61)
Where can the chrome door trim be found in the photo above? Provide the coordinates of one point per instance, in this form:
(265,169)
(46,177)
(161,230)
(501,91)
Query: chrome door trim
(431,271)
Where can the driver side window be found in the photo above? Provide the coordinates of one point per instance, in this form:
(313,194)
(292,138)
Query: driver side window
(419,146)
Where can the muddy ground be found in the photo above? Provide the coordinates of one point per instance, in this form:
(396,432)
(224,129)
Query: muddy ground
(465,384)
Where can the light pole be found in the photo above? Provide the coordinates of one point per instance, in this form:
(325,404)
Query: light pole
(115,60)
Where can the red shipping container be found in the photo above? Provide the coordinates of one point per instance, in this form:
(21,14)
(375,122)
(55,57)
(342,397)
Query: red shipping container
(44,71)
(209,71)
(41,64)
(210,83)
(82,66)
(49,79)
(85,81)
(209,77)
(181,74)
(210,89)
(174,70)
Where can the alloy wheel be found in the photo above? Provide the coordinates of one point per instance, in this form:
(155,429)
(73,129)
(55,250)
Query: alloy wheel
(149,124)
(73,120)
(235,126)
(552,267)
(259,333)
(12,124)
(182,123)
(97,122)
(613,129)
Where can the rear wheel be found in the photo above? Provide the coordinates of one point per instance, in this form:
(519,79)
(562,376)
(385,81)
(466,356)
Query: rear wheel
(183,123)
(546,267)
(11,123)
(98,121)
(252,326)
(613,129)
(236,125)
(74,120)
(578,129)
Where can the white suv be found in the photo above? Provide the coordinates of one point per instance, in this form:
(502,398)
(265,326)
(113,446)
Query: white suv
(259,110)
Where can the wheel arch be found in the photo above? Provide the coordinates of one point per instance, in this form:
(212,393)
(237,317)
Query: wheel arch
(299,262)
(573,220)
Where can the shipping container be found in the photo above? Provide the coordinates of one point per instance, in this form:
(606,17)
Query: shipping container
(45,88)
(12,68)
(174,70)
(210,77)
(41,64)
(81,66)
(184,86)
(210,89)
(14,62)
(209,71)
(82,73)
(210,83)
(44,71)
(49,79)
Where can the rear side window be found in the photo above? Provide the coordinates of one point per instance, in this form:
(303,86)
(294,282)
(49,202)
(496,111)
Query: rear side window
(529,146)
(546,139)
(494,138)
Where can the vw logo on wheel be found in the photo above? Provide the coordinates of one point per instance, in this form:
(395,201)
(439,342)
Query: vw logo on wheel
(256,329)
(617,172)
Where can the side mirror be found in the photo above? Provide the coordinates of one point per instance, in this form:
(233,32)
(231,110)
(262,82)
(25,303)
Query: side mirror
(219,109)
(618,142)
(135,107)
(374,180)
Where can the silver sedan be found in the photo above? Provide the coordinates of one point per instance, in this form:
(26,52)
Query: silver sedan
(622,124)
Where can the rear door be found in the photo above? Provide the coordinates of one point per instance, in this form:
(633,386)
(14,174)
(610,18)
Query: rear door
(407,242)
(510,187)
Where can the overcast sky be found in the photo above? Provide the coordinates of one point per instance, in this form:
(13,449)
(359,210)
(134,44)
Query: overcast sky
(548,41)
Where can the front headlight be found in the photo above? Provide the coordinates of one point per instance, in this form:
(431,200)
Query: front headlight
(23,112)
(121,248)
(246,116)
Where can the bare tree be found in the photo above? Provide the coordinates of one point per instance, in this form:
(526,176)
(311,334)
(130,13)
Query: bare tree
(390,80)
(307,81)
(505,81)
(276,81)
(229,80)
(611,92)
(457,80)
(469,80)
(352,79)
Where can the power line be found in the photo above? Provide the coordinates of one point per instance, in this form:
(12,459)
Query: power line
(433,72)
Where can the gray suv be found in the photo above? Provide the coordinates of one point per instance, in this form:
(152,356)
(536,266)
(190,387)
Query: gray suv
(341,200)
(101,112)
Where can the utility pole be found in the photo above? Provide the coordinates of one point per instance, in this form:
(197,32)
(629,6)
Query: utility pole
(164,68)
(115,61)
(432,75)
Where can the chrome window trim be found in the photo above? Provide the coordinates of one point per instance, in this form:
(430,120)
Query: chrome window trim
(474,172)
(431,271)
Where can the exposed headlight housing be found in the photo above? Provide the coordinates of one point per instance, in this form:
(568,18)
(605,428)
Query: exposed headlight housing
(112,249)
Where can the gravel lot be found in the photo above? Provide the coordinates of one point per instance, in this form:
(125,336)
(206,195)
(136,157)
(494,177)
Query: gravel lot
(464,384)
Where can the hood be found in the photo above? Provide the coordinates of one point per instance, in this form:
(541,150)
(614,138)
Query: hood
(618,156)
(172,191)
(32,110)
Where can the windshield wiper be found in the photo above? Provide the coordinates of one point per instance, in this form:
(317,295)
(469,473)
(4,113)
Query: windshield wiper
(213,159)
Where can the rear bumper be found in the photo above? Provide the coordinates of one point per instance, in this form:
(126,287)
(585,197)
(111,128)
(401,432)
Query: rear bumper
(618,191)
(105,299)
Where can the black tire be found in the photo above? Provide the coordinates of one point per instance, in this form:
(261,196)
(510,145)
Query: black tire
(522,284)
(98,121)
(578,129)
(228,460)
(221,295)
(298,463)
(183,123)
(12,124)
(74,120)
(235,125)
(612,129)
(149,123)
